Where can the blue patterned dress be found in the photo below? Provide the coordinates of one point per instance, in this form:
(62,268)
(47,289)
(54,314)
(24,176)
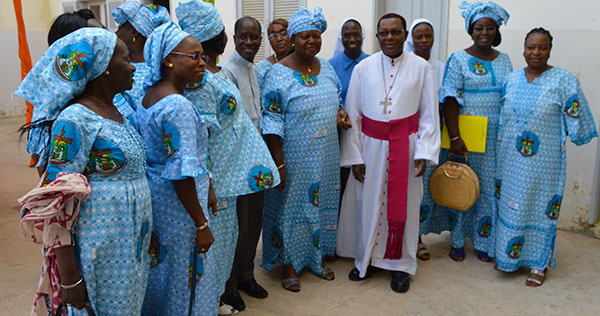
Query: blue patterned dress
(263,68)
(176,141)
(113,232)
(238,159)
(300,222)
(476,85)
(536,119)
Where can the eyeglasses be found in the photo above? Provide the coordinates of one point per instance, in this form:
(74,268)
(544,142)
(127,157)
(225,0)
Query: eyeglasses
(195,56)
(395,33)
(273,36)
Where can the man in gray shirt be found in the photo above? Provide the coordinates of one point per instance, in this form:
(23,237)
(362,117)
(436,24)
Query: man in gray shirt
(241,70)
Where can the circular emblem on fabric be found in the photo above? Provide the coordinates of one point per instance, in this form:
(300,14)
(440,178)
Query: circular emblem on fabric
(260,178)
(424,213)
(515,246)
(144,230)
(485,226)
(276,238)
(572,106)
(228,104)
(152,7)
(528,144)
(65,143)
(105,158)
(479,67)
(305,80)
(317,239)
(553,208)
(171,139)
(72,61)
(273,102)
(313,193)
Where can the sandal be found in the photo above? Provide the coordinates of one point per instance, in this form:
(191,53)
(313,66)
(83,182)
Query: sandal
(423,253)
(457,254)
(535,282)
(327,274)
(483,256)
(288,283)
(226,309)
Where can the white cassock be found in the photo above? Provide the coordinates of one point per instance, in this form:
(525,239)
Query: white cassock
(363,226)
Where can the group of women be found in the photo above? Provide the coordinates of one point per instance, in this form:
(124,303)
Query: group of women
(145,147)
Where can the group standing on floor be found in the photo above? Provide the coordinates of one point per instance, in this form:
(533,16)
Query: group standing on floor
(160,167)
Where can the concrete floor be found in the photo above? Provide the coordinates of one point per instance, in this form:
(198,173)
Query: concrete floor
(441,286)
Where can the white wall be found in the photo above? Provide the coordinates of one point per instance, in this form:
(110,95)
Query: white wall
(576,32)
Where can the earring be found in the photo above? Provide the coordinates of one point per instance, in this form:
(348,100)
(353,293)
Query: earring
(133,39)
(170,65)
(293,45)
(107,73)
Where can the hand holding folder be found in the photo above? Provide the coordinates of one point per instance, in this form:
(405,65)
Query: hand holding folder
(473,131)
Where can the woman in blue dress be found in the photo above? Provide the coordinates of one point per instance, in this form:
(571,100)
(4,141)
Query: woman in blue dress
(74,83)
(238,158)
(280,42)
(136,22)
(181,280)
(301,103)
(472,85)
(543,105)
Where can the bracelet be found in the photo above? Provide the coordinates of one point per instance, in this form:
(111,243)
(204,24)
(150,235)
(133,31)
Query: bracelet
(71,286)
(454,138)
(280,166)
(202,227)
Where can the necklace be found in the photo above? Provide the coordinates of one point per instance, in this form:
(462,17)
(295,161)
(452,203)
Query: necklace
(112,107)
(386,101)
(307,66)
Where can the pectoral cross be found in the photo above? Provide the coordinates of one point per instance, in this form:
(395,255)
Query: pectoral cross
(385,104)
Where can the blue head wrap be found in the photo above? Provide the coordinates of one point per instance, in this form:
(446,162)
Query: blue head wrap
(200,19)
(160,44)
(63,71)
(304,20)
(478,10)
(143,17)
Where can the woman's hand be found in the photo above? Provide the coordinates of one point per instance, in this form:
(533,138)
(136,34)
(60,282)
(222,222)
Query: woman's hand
(282,174)
(76,296)
(458,147)
(212,199)
(359,172)
(204,239)
(343,121)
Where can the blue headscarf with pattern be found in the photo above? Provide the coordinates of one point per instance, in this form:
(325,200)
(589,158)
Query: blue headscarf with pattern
(66,67)
(143,17)
(160,44)
(200,19)
(478,10)
(304,20)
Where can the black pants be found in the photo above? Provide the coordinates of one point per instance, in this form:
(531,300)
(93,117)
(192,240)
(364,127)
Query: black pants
(249,212)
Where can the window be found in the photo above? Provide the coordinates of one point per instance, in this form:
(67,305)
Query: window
(266,11)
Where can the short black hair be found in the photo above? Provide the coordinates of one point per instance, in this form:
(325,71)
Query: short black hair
(391,15)
(539,30)
(246,18)
(497,39)
(67,23)
(215,44)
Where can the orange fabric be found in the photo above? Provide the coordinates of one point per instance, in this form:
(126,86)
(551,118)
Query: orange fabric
(24,55)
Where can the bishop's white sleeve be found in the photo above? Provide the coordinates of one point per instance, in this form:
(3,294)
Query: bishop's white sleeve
(350,147)
(428,136)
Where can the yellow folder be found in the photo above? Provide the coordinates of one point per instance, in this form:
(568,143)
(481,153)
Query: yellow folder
(473,131)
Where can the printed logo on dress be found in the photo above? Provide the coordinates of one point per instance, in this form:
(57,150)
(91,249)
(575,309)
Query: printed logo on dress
(515,246)
(152,7)
(317,239)
(498,184)
(305,80)
(424,213)
(260,178)
(572,106)
(229,104)
(140,244)
(276,239)
(553,209)
(479,67)
(195,271)
(273,102)
(105,158)
(452,220)
(485,226)
(313,193)
(171,139)
(528,144)
(74,60)
(65,143)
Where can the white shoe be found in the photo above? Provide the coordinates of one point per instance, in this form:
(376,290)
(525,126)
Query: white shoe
(226,309)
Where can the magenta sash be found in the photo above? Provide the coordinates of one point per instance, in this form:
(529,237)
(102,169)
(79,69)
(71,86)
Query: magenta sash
(397,133)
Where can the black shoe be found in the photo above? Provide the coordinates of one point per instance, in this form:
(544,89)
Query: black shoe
(400,281)
(354,275)
(253,289)
(234,299)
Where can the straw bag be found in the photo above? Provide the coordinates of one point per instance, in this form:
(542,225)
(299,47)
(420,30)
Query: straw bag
(455,185)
